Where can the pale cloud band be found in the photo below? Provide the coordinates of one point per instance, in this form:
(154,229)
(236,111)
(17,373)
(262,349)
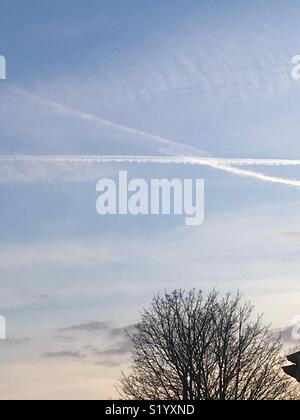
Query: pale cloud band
(227,165)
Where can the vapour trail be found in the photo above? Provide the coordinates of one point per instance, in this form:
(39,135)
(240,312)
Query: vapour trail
(169,146)
(172,147)
(150,159)
(220,164)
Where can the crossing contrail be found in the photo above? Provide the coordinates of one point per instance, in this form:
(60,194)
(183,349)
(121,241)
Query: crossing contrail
(166,146)
(225,165)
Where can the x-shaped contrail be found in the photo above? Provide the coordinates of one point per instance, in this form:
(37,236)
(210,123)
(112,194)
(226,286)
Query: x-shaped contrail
(166,146)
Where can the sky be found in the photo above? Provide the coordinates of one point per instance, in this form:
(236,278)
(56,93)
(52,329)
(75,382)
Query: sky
(209,79)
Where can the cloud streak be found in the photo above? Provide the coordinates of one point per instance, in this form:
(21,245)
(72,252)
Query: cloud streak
(230,166)
(94,326)
(119,350)
(100,326)
(63,355)
(147,159)
(164,145)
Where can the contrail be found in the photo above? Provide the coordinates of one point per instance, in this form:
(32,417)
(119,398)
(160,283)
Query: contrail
(150,159)
(219,164)
(169,147)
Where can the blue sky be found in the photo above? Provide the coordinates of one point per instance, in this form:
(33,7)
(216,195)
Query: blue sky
(214,75)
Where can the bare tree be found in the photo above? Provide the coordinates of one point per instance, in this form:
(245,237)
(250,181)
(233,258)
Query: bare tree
(189,346)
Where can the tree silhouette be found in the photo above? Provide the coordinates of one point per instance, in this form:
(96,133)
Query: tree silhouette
(189,346)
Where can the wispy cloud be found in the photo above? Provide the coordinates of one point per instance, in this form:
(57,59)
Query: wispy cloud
(291,235)
(63,355)
(94,326)
(100,326)
(110,356)
(119,350)
(108,363)
(120,332)
(17,341)
(55,252)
